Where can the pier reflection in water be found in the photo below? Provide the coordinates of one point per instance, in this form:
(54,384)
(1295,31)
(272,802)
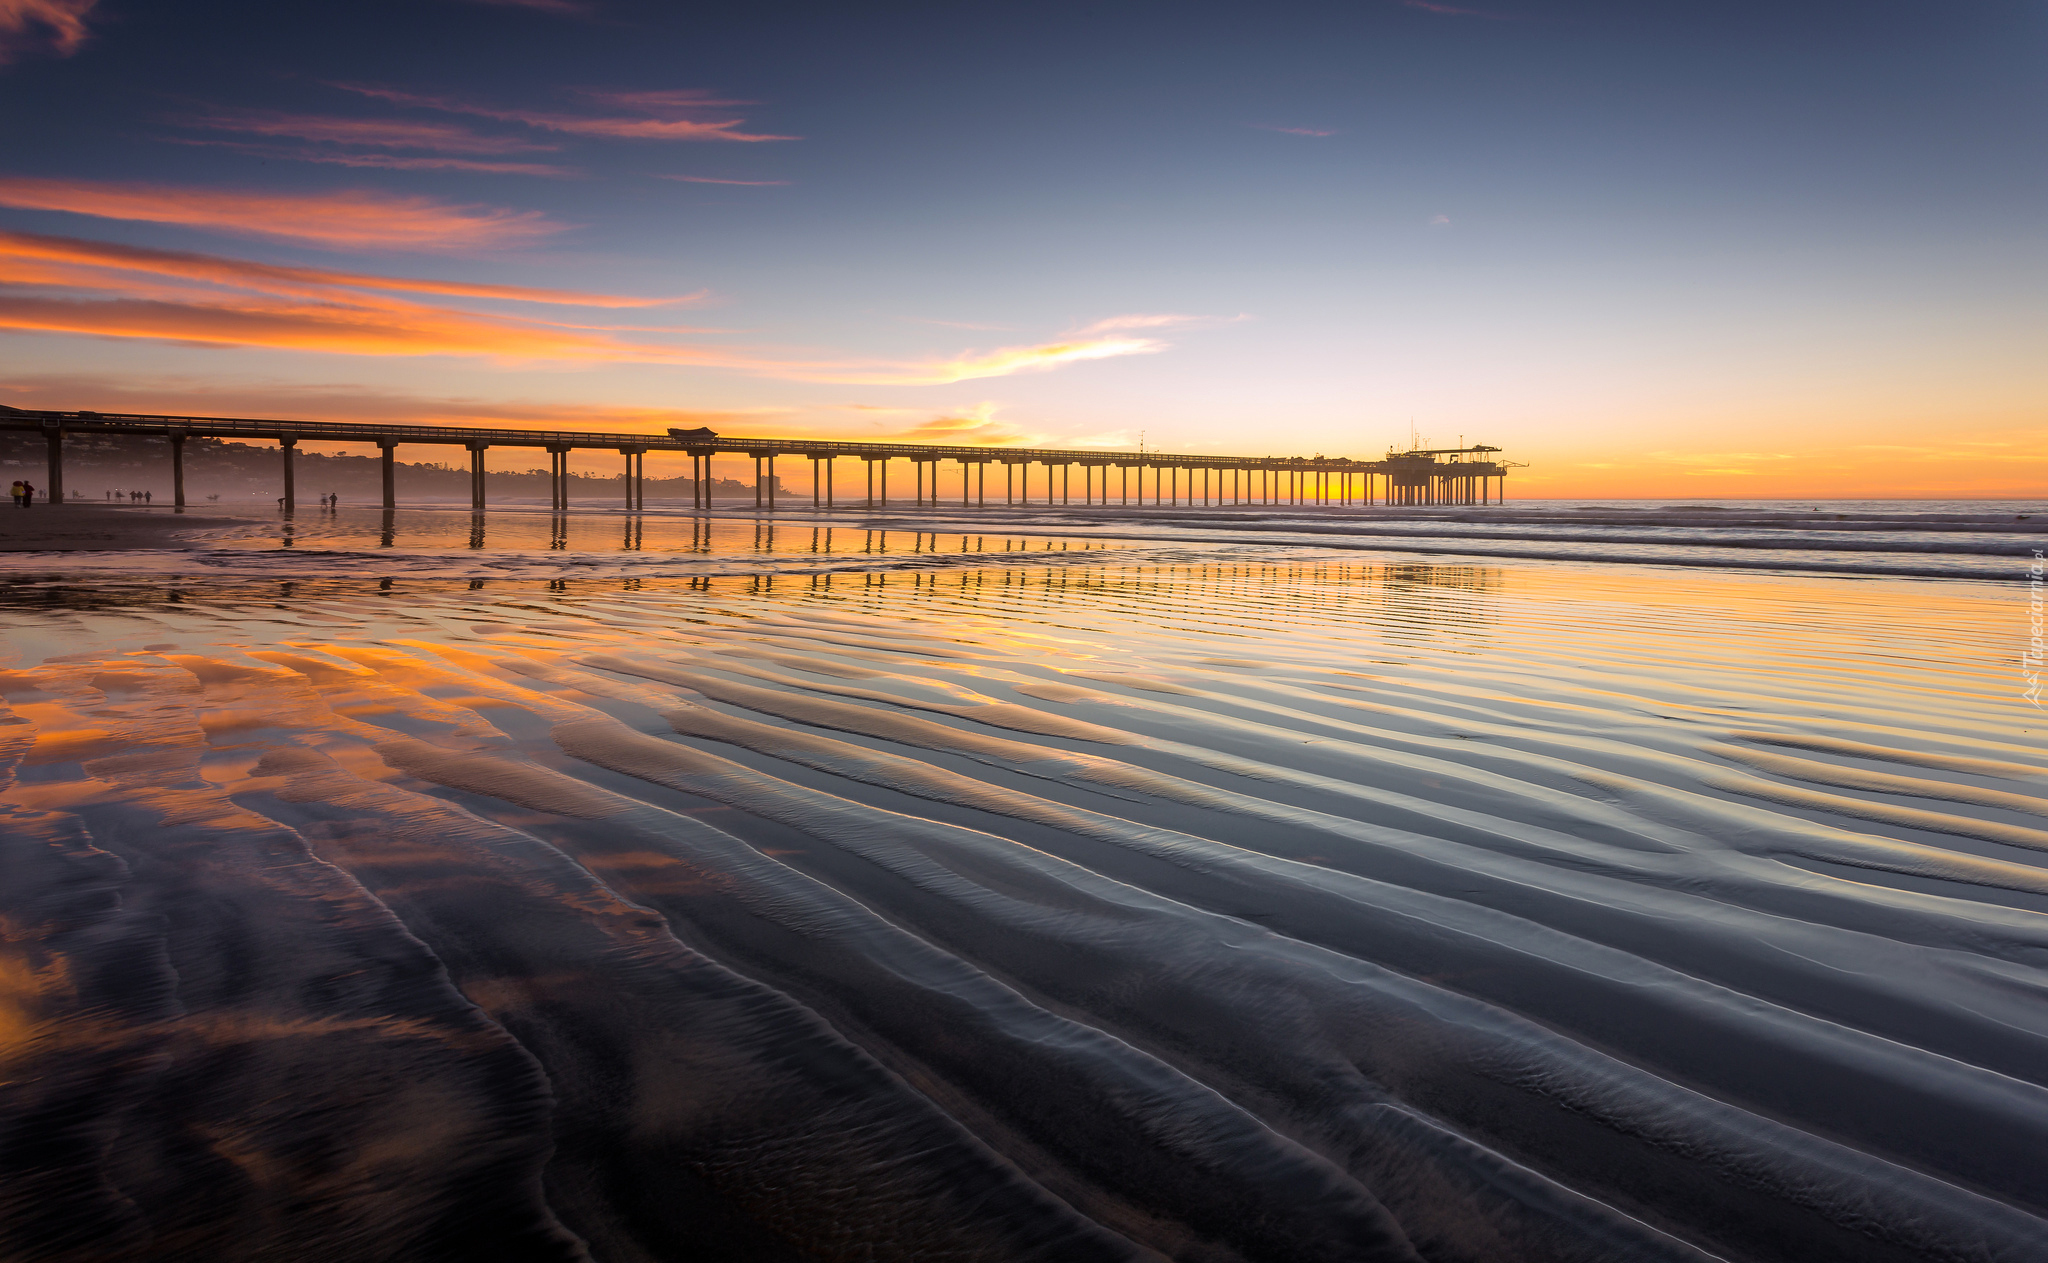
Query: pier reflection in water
(435,530)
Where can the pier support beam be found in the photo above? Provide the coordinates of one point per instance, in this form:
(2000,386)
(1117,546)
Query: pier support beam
(55,492)
(291,488)
(476,477)
(636,478)
(177,471)
(387,463)
(700,476)
(558,479)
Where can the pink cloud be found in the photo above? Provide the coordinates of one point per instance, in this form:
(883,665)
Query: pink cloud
(347,220)
(55,27)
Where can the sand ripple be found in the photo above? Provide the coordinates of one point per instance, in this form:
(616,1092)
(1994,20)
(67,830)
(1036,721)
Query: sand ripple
(1089,911)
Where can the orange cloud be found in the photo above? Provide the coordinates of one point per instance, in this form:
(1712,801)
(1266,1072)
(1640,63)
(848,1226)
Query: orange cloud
(219,396)
(978,426)
(666,116)
(328,327)
(275,279)
(348,220)
(56,27)
(390,328)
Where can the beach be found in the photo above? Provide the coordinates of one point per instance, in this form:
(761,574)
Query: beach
(1039,886)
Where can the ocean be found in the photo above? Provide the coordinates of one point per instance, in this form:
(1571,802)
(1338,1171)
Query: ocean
(1549,881)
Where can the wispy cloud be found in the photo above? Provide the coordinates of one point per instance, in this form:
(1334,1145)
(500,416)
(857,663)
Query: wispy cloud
(1140,320)
(381,133)
(1449,10)
(1108,338)
(294,281)
(347,220)
(662,115)
(53,27)
(1294,131)
(977,426)
(706,179)
(380,161)
(344,142)
(664,103)
(971,365)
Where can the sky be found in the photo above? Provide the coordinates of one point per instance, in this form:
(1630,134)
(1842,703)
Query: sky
(1649,249)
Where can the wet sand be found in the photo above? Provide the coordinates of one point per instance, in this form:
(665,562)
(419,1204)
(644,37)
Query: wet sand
(1022,906)
(97,527)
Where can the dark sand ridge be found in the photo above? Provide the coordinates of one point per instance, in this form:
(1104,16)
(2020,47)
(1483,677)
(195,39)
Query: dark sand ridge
(88,527)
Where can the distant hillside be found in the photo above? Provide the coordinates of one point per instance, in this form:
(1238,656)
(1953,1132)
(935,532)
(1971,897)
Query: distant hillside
(96,464)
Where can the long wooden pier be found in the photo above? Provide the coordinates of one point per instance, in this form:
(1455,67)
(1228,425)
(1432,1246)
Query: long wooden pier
(1464,475)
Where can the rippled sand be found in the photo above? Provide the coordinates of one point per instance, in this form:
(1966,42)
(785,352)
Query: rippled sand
(1019,907)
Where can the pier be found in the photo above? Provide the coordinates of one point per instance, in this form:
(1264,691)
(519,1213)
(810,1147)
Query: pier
(1438,476)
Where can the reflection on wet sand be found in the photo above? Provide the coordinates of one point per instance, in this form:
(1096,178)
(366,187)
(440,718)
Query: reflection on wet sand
(1115,909)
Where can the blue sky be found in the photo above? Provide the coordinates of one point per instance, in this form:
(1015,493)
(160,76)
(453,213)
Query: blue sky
(1728,249)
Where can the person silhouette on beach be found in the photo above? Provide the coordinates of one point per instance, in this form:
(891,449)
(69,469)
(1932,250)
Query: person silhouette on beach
(147,496)
(28,493)
(15,492)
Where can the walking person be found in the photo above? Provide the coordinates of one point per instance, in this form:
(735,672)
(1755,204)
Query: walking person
(28,493)
(14,493)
